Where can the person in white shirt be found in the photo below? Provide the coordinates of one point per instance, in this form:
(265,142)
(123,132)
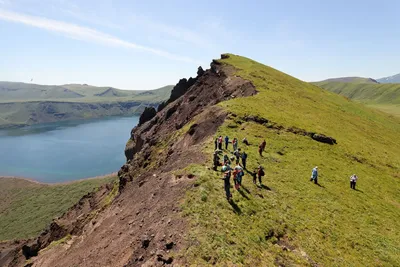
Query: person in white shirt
(353,180)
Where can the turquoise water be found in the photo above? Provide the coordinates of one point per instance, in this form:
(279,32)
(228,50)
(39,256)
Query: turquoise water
(65,151)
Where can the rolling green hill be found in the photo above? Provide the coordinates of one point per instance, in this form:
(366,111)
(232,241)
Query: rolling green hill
(290,221)
(351,80)
(25,104)
(385,97)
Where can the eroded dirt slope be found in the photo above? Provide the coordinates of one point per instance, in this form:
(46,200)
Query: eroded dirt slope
(143,226)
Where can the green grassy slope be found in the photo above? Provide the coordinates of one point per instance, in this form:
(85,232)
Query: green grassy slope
(26,208)
(291,221)
(385,97)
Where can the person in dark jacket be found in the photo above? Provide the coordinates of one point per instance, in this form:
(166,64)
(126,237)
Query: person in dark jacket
(244,159)
(237,155)
(216,162)
(261,147)
(227,184)
(216,144)
(226,142)
(260,173)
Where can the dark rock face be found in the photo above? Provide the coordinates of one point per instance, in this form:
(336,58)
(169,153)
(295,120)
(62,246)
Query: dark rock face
(145,241)
(224,56)
(324,139)
(256,119)
(148,114)
(180,89)
(200,71)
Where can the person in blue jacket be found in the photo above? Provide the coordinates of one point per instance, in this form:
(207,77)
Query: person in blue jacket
(314,175)
(226,142)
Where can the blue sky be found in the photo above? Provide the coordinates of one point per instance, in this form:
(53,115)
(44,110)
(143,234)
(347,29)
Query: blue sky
(147,44)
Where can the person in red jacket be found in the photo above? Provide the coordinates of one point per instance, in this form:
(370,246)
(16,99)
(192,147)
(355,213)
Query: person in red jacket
(220,142)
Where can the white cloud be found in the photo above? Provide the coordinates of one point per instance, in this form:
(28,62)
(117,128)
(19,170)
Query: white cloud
(84,33)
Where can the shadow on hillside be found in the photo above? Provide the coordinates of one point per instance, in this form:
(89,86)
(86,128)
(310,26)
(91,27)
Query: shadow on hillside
(243,194)
(245,189)
(235,207)
(266,187)
(320,185)
(358,190)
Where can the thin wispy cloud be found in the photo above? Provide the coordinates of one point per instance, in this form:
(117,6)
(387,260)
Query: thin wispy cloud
(173,32)
(84,34)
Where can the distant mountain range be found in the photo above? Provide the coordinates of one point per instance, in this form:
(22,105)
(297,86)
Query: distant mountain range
(390,79)
(25,104)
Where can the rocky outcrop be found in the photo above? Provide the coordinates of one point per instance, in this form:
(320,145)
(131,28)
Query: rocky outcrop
(189,98)
(323,138)
(148,114)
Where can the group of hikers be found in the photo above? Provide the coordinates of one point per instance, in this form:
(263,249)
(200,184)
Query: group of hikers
(238,171)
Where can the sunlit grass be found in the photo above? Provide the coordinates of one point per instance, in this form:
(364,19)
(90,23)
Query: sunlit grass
(332,224)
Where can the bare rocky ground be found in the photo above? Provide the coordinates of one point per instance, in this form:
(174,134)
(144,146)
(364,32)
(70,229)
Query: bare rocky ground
(143,225)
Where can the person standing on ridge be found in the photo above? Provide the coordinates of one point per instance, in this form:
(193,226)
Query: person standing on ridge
(261,147)
(245,141)
(216,161)
(353,180)
(235,144)
(244,158)
(216,143)
(240,174)
(226,160)
(237,155)
(227,183)
(226,142)
(254,174)
(314,175)
(260,173)
(220,142)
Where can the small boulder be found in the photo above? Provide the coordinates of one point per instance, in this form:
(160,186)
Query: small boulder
(145,241)
(324,139)
(170,245)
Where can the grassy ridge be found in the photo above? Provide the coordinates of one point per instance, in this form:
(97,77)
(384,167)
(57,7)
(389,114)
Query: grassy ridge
(385,97)
(26,208)
(292,221)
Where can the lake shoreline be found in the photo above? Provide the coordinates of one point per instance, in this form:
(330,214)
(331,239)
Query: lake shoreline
(59,183)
